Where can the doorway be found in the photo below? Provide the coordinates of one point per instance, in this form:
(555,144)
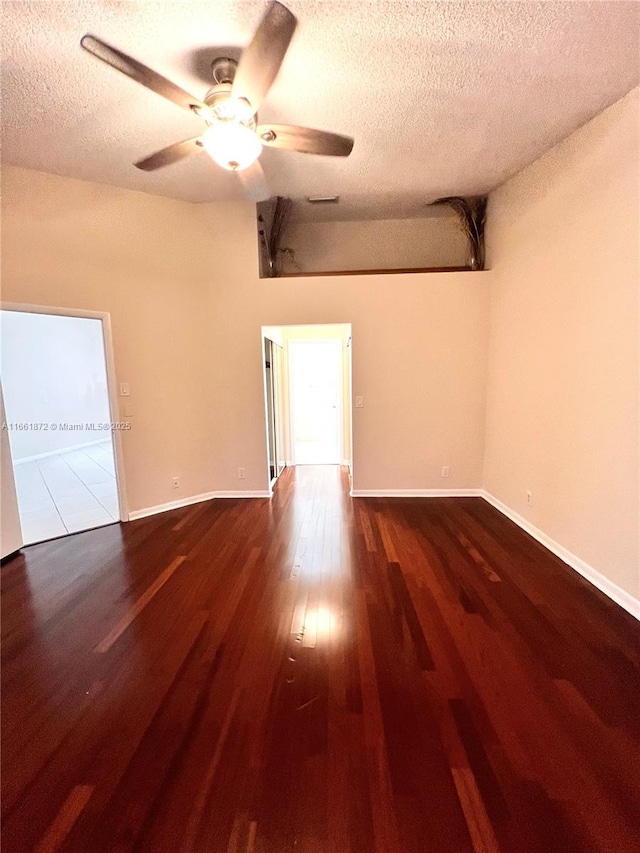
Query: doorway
(315,371)
(307,395)
(54,372)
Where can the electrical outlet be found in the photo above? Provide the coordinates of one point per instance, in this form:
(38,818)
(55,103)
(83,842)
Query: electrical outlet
(175,481)
(529,499)
(445,471)
(241,473)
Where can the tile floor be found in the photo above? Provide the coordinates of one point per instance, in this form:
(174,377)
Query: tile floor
(316,453)
(71,491)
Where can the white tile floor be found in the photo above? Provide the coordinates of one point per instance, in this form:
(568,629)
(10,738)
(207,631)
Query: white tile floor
(68,492)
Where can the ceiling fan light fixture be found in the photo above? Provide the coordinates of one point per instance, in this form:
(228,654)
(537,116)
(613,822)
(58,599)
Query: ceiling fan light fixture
(232,145)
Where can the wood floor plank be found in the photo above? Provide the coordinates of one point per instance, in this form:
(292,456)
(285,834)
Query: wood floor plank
(119,629)
(65,819)
(315,673)
(480,828)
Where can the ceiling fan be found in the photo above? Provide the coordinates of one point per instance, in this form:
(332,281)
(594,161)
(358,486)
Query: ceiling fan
(233,137)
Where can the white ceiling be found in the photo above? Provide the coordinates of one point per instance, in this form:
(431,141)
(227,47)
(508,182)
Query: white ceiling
(442,97)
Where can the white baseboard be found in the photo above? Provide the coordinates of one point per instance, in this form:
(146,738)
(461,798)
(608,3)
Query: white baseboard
(194,499)
(608,587)
(154,510)
(70,449)
(416,493)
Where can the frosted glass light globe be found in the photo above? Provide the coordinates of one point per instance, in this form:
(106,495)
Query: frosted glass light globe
(232,145)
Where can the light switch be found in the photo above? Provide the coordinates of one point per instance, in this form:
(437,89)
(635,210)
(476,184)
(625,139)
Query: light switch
(124,389)
(359,402)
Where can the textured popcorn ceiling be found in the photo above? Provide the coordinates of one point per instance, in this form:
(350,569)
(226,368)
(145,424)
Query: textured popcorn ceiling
(442,97)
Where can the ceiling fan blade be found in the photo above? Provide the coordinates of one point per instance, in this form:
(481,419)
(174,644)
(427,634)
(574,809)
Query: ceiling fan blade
(139,72)
(261,60)
(304,139)
(254,183)
(170,154)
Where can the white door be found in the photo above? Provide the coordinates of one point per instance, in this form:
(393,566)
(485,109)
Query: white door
(315,369)
(10,530)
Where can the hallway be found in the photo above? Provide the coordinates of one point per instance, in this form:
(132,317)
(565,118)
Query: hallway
(315,674)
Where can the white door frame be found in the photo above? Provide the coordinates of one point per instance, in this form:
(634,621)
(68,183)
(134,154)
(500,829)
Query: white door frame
(276,368)
(340,419)
(105,319)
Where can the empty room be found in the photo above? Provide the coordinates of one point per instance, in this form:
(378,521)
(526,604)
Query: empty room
(320,514)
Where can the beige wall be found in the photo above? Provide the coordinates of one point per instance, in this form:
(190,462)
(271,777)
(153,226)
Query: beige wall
(562,398)
(142,258)
(419,359)
(187,307)
(375,244)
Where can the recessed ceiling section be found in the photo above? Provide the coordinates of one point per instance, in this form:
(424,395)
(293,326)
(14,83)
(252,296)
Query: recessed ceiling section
(291,246)
(443,98)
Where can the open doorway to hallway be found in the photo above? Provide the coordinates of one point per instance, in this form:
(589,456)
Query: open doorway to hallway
(308,395)
(58,422)
(315,377)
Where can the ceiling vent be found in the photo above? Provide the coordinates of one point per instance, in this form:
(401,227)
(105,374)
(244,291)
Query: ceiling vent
(323,199)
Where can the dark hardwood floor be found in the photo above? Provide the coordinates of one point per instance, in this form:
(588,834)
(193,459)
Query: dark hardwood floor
(315,674)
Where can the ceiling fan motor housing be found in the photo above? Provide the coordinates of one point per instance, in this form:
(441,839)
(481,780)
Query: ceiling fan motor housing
(223,69)
(217,96)
(224,108)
